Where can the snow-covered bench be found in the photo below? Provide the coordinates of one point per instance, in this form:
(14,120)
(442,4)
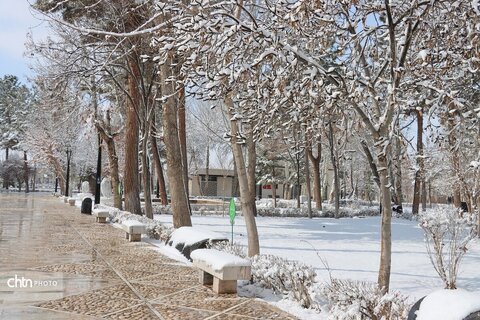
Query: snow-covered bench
(100,215)
(134,230)
(221,269)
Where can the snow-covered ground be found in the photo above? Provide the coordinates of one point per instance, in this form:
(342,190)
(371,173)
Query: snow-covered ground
(350,247)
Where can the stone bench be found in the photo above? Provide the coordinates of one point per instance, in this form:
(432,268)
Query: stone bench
(221,269)
(100,215)
(134,230)
(71,201)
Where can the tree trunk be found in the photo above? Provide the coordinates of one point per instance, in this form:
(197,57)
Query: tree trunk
(424,195)
(6,182)
(57,166)
(34,178)
(109,141)
(131,183)
(307,182)
(391,174)
(251,166)
(417,193)
(317,184)
(429,194)
(371,163)
(175,172)
(158,168)
(114,172)
(454,157)
(248,203)
(182,136)
(386,229)
(68,191)
(298,191)
(235,186)
(274,193)
(25,171)
(147,192)
(336,187)
(207,169)
(398,168)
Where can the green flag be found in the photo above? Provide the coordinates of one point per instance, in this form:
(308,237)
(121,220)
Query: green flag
(231,212)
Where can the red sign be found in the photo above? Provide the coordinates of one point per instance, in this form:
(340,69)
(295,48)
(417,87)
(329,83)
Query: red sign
(267,186)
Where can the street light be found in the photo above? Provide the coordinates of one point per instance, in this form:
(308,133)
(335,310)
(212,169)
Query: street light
(98,176)
(69,156)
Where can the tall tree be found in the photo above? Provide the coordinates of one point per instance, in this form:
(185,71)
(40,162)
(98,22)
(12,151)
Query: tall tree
(14,105)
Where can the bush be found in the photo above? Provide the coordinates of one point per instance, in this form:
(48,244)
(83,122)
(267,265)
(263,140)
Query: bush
(346,299)
(448,232)
(161,209)
(328,212)
(358,300)
(286,277)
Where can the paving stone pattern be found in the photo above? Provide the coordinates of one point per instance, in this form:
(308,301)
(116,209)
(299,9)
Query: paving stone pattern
(81,269)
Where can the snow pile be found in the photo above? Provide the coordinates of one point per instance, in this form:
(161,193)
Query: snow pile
(219,259)
(449,305)
(188,236)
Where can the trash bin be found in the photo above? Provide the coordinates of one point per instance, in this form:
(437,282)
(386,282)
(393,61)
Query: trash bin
(86,206)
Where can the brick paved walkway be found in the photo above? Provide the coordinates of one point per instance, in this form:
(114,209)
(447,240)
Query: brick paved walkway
(74,268)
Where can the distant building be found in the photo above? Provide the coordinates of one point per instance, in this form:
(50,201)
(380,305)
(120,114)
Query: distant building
(266,191)
(219,184)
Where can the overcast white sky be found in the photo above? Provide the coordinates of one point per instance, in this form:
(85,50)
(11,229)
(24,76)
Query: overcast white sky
(16,20)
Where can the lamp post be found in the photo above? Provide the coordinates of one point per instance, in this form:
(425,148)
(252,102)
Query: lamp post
(98,177)
(69,156)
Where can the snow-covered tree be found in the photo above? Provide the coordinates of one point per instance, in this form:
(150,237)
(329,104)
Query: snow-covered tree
(14,107)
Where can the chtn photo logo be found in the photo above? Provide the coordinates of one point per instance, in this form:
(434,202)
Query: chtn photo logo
(22,282)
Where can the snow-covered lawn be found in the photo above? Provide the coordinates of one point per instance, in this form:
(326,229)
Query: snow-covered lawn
(350,247)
